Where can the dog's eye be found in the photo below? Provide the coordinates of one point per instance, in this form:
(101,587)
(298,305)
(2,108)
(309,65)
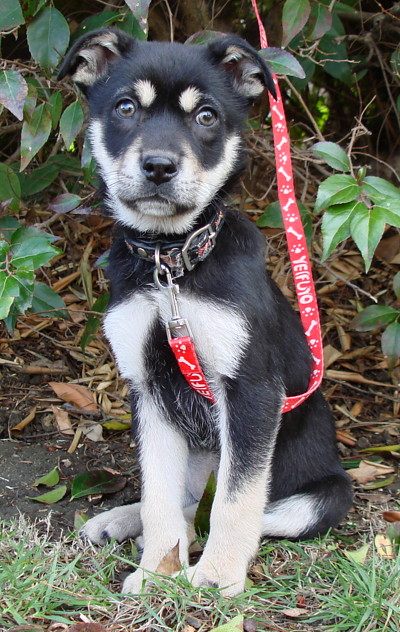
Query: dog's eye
(125,108)
(206,118)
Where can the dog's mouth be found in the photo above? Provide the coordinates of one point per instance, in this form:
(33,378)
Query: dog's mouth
(156,205)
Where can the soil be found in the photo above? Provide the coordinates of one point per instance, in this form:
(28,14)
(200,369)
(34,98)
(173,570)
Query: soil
(23,462)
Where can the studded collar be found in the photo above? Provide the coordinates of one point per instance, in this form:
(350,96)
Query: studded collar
(180,255)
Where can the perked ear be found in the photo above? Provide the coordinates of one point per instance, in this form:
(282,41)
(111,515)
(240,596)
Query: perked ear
(248,70)
(89,58)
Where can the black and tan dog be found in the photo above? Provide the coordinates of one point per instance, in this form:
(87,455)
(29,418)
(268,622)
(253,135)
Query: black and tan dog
(165,131)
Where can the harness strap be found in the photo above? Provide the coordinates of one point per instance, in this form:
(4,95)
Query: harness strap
(296,240)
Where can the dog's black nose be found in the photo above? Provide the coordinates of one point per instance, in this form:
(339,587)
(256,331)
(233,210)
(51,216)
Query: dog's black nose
(159,169)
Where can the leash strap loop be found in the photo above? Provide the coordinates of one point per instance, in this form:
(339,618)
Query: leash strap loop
(296,240)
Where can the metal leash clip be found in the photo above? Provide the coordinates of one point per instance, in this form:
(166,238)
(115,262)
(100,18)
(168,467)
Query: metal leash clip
(179,335)
(177,327)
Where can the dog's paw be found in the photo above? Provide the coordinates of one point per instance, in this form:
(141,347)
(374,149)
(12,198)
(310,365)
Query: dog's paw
(137,583)
(119,523)
(207,575)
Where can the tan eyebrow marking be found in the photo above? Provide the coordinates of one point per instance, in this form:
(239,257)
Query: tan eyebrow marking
(189,98)
(145,91)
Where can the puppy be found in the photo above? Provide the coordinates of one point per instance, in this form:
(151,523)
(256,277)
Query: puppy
(165,130)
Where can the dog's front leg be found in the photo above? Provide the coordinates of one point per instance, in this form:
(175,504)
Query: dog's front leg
(163,454)
(238,507)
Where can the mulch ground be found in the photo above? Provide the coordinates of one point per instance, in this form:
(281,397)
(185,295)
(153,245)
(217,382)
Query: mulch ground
(43,350)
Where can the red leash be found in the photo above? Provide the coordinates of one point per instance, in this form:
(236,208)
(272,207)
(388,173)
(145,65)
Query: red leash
(297,244)
(178,330)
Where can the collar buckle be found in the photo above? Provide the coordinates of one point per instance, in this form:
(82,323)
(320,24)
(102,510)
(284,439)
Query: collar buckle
(203,250)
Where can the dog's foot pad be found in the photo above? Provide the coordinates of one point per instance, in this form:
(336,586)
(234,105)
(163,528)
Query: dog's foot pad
(120,523)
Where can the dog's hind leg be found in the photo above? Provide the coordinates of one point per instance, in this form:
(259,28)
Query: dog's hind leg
(120,523)
(312,511)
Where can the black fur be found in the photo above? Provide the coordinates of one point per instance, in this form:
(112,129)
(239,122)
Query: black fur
(276,360)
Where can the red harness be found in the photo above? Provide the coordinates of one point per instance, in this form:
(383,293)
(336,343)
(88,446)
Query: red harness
(178,330)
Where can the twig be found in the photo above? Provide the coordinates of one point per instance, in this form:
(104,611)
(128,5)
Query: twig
(389,92)
(53,340)
(346,281)
(305,108)
(363,391)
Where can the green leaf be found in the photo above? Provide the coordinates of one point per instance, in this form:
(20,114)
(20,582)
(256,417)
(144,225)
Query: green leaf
(9,286)
(379,189)
(337,189)
(281,62)
(336,224)
(271,217)
(13,92)
(396,284)
(202,517)
(5,306)
(233,625)
(47,302)
(28,232)
(332,55)
(50,480)
(10,15)
(391,343)
(116,425)
(33,252)
(71,122)
(65,202)
(55,106)
(320,22)
(132,26)
(10,188)
(366,228)
(395,62)
(8,226)
(51,497)
(383,448)
(374,316)
(100,20)
(96,482)
(22,288)
(380,482)
(30,101)
(333,154)
(48,37)
(38,179)
(295,14)
(34,134)
(32,7)
(94,321)
(391,217)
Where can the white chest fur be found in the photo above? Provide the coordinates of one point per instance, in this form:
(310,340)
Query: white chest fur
(219,331)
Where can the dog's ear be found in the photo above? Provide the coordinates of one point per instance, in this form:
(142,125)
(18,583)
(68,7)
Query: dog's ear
(89,58)
(248,70)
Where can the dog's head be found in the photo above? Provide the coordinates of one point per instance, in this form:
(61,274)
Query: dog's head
(165,121)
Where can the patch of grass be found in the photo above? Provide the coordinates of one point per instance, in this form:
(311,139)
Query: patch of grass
(294,586)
